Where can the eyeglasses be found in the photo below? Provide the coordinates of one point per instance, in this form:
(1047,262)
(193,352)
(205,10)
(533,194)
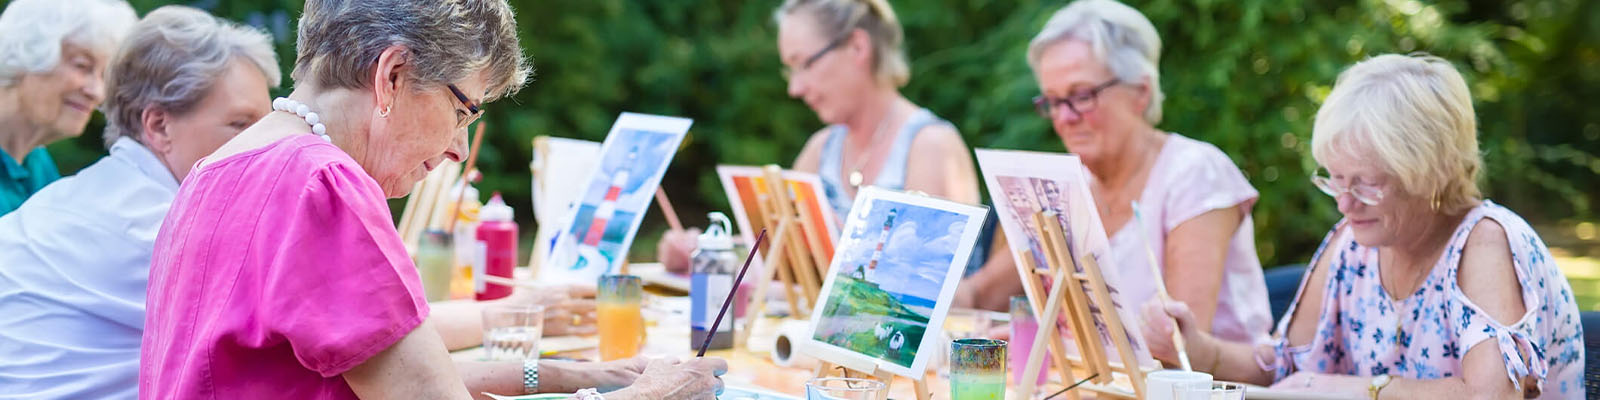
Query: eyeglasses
(473,111)
(1079,103)
(832,45)
(1365,193)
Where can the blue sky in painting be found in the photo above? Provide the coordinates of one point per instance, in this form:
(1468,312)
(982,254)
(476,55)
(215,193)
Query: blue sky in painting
(919,251)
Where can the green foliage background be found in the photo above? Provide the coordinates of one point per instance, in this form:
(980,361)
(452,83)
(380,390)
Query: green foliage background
(1246,75)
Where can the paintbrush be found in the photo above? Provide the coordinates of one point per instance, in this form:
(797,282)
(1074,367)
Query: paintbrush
(725,303)
(666,210)
(1161,287)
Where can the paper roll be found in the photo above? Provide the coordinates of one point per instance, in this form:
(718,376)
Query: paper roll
(788,345)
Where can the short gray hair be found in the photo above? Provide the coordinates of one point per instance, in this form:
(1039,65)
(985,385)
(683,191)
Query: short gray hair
(448,40)
(32,32)
(875,17)
(1119,36)
(171,59)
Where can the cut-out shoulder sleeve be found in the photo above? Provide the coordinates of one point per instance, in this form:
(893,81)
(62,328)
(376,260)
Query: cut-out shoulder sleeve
(1522,356)
(1200,178)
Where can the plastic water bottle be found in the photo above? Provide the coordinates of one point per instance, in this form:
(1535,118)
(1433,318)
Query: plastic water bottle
(710,282)
(497,248)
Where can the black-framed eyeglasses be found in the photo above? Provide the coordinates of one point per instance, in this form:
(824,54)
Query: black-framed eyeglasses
(805,65)
(1078,103)
(473,110)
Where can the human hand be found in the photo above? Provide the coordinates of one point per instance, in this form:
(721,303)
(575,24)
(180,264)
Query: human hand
(1159,318)
(675,249)
(667,379)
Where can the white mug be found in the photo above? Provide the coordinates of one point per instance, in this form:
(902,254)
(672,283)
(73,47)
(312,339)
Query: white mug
(1158,385)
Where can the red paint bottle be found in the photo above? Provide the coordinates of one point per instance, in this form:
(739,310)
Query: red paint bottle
(497,247)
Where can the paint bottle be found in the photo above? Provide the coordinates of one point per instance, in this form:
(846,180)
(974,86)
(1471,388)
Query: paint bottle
(497,247)
(710,283)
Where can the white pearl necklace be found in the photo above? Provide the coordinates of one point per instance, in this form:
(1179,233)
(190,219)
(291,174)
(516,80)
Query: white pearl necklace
(288,105)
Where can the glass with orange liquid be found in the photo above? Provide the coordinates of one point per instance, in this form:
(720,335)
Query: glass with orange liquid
(618,304)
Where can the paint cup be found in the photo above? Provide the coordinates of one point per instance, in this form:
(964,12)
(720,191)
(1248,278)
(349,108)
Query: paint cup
(1023,327)
(1207,391)
(845,389)
(617,308)
(1159,384)
(977,369)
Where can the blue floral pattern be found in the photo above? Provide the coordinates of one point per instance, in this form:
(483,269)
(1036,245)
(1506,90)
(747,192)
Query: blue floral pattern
(1364,332)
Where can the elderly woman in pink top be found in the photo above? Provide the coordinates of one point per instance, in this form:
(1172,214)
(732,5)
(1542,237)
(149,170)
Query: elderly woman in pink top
(1096,63)
(279,273)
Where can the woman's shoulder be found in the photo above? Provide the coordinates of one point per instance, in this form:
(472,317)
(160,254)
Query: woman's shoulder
(1182,153)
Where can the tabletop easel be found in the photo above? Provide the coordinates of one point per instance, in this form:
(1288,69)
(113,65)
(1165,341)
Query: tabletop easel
(794,255)
(871,371)
(1076,288)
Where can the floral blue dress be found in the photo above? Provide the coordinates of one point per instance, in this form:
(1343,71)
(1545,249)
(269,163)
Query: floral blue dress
(1363,332)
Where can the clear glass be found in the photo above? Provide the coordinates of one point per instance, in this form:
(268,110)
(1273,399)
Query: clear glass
(617,309)
(511,333)
(1023,328)
(845,389)
(1207,391)
(977,369)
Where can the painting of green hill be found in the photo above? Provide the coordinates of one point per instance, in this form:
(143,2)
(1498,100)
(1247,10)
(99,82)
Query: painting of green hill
(868,320)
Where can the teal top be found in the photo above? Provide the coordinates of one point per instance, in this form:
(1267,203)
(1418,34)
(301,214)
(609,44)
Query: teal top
(18,181)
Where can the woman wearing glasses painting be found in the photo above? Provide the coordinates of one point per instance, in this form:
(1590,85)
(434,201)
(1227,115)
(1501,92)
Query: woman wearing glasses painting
(844,59)
(278,272)
(1096,64)
(1425,290)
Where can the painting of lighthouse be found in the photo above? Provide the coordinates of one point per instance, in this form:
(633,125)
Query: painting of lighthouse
(893,274)
(601,225)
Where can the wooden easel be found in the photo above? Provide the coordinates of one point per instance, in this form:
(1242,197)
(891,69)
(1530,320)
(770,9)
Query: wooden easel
(871,371)
(793,255)
(1076,286)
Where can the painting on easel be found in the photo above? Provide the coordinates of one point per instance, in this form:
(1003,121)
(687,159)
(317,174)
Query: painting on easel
(745,187)
(897,265)
(600,226)
(1027,183)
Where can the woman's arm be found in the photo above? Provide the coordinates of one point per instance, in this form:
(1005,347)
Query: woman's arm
(505,377)
(460,322)
(940,165)
(417,366)
(1194,255)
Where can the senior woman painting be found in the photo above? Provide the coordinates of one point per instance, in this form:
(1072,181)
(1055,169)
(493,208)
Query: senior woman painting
(278,272)
(53,55)
(1096,64)
(1424,290)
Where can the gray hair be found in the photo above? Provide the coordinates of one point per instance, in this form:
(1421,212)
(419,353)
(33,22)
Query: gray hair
(1118,35)
(875,17)
(447,40)
(171,59)
(32,32)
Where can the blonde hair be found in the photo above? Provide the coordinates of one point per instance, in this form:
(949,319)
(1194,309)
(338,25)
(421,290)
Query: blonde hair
(1121,37)
(841,17)
(1412,115)
(171,59)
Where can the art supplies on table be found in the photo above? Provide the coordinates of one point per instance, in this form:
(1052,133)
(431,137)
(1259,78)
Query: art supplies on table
(497,247)
(598,228)
(711,281)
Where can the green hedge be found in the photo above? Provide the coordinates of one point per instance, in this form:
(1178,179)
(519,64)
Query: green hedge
(1246,75)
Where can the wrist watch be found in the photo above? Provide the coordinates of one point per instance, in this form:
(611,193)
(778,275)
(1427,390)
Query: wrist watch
(1378,382)
(530,375)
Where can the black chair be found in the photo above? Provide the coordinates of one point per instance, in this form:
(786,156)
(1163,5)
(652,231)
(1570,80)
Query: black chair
(1282,282)
(1591,352)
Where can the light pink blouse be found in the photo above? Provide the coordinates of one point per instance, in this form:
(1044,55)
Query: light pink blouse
(1191,178)
(276,270)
